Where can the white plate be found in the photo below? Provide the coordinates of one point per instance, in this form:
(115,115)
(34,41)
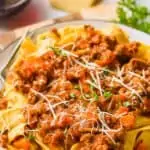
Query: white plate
(133,35)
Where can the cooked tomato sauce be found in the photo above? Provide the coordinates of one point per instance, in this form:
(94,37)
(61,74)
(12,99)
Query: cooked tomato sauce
(88,96)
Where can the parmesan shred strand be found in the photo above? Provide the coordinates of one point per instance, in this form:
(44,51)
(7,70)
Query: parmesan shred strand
(137,75)
(91,83)
(65,45)
(54,96)
(92,66)
(81,64)
(81,89)
(63,102)
(127,87)
(120,72)
(99,83)
(68,53)
(93,77)
(47,100)
(105,128)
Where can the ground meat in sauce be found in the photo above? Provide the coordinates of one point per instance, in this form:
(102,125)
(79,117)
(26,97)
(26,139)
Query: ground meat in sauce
(3,140)
(70,102)
(3,103)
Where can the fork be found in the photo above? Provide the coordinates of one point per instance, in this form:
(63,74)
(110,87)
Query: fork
(11,59)
(31,33)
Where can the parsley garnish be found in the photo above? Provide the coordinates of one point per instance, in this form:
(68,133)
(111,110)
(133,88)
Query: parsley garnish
(95,96)
(72,95)
(127,104)
(76,86)
(106,72)
(31,137)
(107,95)
(58,51)
(91,87)
(132,14)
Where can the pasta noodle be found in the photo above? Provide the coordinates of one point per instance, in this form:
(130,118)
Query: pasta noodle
(77,88)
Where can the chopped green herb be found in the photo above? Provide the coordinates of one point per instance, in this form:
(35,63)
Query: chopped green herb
(95,96)
(63,54)
(106,72)
(107,95)
(91,87)
(72,95)
(31,137)
(58,51)
(76,86)
(133,14)
(87,95)
(127,104)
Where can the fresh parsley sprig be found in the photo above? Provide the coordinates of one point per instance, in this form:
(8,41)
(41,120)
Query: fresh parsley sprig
(130,13)
(58,51)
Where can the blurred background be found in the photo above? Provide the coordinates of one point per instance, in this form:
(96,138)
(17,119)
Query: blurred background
(33,11)
(29,12)
(19,13)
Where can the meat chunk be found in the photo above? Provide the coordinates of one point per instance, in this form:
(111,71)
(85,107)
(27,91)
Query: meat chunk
(125,52)
(3,140)
(3,103)
(57,138)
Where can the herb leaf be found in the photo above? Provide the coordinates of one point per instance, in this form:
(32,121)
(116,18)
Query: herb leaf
(127,104)
(130,13)
(95,96)
(31,137)
(72,95)
(107,95)
(58,51)
(106,72)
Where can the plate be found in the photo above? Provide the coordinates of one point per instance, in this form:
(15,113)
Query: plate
(134,34)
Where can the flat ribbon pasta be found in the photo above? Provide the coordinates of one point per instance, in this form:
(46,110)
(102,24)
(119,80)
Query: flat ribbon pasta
(131,137)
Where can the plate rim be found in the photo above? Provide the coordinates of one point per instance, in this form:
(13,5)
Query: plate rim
(69,21)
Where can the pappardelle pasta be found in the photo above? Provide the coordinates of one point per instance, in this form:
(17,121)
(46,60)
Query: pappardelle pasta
(77,88)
